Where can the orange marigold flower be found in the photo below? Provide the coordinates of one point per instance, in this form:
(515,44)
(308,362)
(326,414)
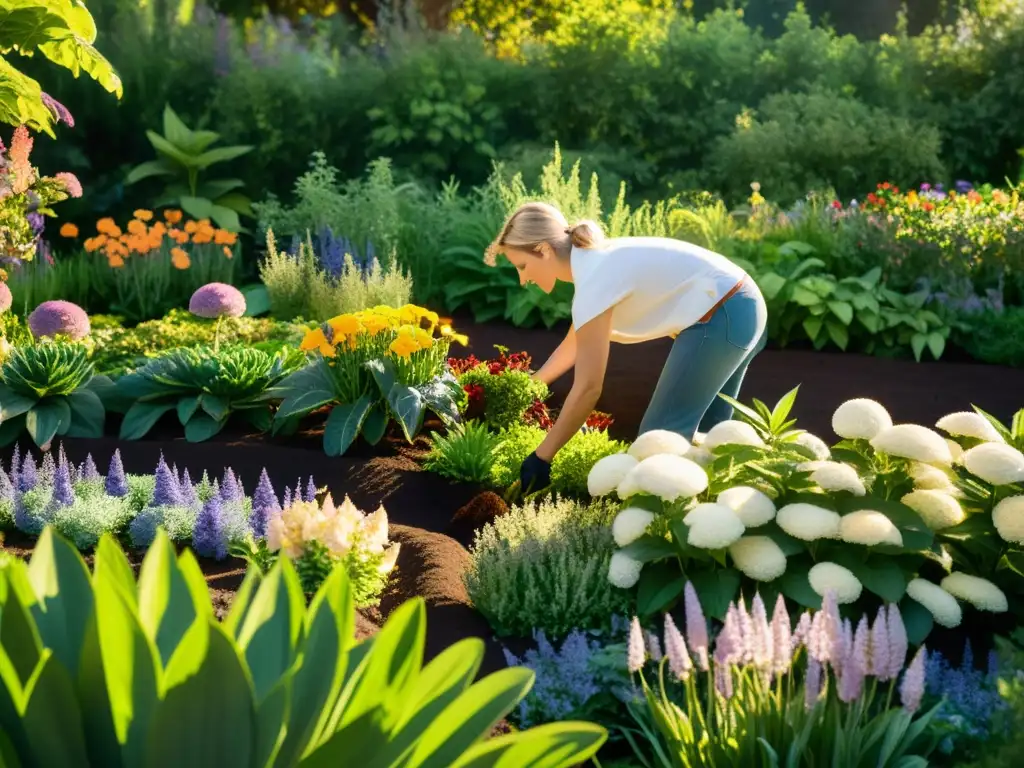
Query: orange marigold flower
(223,237)
(172,216)
(158,229)
(228,253)
(68,230)
(180,259)
(107,226)
(926,206)
(178,236)
(143,215)
(191,226)
(202,237)
(136,227)
(115,261)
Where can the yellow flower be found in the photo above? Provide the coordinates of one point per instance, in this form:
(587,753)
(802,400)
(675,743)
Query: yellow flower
(461,338)
(344,325)
(424,339)
(373,323)
(404,346)
(410,313)
(316,339)
(432,318)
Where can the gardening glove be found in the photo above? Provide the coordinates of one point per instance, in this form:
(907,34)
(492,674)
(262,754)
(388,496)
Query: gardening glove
(535,474)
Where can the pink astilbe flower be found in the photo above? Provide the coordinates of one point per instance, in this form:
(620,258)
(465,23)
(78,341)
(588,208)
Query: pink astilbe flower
(635,652)
(762,643)
(696,627)
(851,686)
(880,666)
(803,629)
(912,687)
(812,683)
(19,165)
(745,636)
(825,637)
(653,647)
(898,644)
(729,643)
(782,638)
(70,182)
(675,648)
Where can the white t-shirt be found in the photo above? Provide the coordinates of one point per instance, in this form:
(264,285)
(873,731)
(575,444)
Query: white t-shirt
(658,286)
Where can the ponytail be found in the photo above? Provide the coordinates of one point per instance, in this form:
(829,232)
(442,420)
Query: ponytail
(585,234)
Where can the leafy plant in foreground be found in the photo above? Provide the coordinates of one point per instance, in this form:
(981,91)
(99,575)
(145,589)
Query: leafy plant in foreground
(205,388)
(276,684)
(49,389)
(465,453)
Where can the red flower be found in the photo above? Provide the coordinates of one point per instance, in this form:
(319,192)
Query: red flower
(926,206)
(885,185)
(539,415)
(836,204)
(495,368)
(475,392)
(599,420)
(461,365)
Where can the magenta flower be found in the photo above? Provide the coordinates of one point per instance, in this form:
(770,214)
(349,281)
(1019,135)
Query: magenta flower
(59,317)
(58,110)
(6,299)
(215,300)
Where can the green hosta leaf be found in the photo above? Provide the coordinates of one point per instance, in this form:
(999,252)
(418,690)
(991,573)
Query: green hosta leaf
(87,414)
(343,425)
(215,406)
(173,154)
(812,327)
(141,418)
(19,637)
(409,407)
(303,402)
(175,130)
(243,600)
(272,717)
(796,586)
(186,408)
(554,745)
(843,310)
(47,418)
(375,424)
(649,548)
(161,167)
(221,155)
(201,427)
(838,333)
(659,587)
(12,404)
(917,619)
(225,218)
(771,285)
(716,589)
(384,375)
(52,721)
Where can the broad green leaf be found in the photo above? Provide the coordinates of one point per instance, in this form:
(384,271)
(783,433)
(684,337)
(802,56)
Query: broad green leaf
(166,609)
(649,548)
(225,218)
(186,408)
(842,310)
(366,736)
(64,597)
(716,589)
(917,619)
(553,745)
(917,342)
(375,424)
(19,638)
(343,425)
(235,202)
(659,587)
(408,406)
(243,600)
(304,402)
(221,155)
(171,152)
(782,409)
(52,720)
(216,407)
(201,427)
(384,375)
(12,404)
(112,564)
(46,417)
(175,130)
(198,208)
(771,285)
(936,344)
(141,418)
(880,575)
(257,300)
(838,333)
(796,586)
(87,414)
(272,719)
(149,169)
(812,327)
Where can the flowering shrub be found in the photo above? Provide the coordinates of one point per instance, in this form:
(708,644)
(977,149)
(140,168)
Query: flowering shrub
(25,198)
(885,511)
(823,687)
(319,537)
(501,391)
(156,263)
(369,367)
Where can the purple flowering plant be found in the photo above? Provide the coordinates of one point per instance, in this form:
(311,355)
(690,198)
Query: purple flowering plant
(820,692)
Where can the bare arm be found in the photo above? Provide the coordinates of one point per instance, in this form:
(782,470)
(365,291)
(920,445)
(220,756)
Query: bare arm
(561,360)
(592,343)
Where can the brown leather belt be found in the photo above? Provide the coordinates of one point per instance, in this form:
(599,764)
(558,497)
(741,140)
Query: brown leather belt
(732,292)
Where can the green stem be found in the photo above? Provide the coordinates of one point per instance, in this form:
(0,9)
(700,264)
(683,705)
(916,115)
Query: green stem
(216,334)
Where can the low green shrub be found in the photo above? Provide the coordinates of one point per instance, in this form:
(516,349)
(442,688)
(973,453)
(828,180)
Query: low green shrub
(995,337)
(465,453)
(545,567)
(506,395)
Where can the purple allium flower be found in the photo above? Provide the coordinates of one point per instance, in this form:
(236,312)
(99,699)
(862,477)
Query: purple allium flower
(215,300)
(898,643)
(70,182)
(229,488)
(812,683)
(264,505)
(116,483)
(59,111)
(63,493)
(782,638)
(912,686)
(696,627)
(208,537)
(6,299)
(89,470)
(37,222)
(310,494)
(880,666)
(28,477)
(166,492)
(59,317)
(636,653)
(675,648)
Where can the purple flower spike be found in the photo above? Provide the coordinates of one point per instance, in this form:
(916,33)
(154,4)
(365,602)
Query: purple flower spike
(48,469)
(59,317)
(264,505)
(6,487)
(63,494)
(188,491)
(28,477)
(15,462)
(89,470)
(166,491)
(215,300)
(229,488)
(59,111)
(117,483)
(208,538)
(912,687)
(286,501)
(310,494)
(696,627)
(6,299)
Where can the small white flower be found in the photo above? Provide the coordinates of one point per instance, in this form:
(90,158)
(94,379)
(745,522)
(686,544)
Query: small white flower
(630,524)
(815,445)
(751,506)
(969,424)
(981,593)
(870,528)
(608,472)
(929,478)
(624,571)
(1008,518)
(942,605)
(937,508)
(700,456)
(732,432)
(758,558)
(912,441)
(860,418)
(665,476)
(834,476)
(658,441)
(712,526)
(830,576)
(955,450)
(808,522)
(995,463)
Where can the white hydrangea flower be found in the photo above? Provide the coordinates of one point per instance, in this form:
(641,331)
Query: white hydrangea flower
(700,456)
(808,522)
(912,441)
(860,418)
(815,445)
(1008,518)
(969,424)
(940,604)
(624,571)
(752,507)
(608,472)
(870,528)
(834,476)
(929,478)
(630,524)
(665,476)
(830,576)
(732,432)
(955,450)
(981,593)
(658,441)
(758,558)
(937,508)
(712,526)
(995,463)
(698,438)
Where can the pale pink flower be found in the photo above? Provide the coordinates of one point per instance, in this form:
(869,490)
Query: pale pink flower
(812,683)
(636,654)
(880,647)
(729,643)
(723,679)
(803,628)
(653,647)
(675,648)
(898,644)
(782,638)
(912,687)
(70,182)
(696,627)
(19,165)
(745,637)
(762,645)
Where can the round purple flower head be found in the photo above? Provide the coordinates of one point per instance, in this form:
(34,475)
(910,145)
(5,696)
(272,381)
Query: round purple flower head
(215,300)
(59,317)
(5,297)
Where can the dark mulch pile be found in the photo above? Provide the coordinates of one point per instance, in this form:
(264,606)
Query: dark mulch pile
(475,515)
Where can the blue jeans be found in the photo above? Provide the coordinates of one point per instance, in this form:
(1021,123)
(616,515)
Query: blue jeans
(708,359)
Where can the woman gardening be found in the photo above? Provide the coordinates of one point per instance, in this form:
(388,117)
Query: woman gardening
(631,290)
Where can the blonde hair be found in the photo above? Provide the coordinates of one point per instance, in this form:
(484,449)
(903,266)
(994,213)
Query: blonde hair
(533,224)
